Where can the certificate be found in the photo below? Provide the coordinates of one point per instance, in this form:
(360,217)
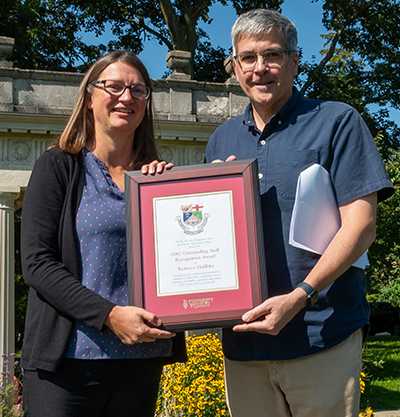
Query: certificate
(195,245)
(201,255)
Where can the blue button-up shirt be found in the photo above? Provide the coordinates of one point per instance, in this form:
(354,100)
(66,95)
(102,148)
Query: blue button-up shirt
(302,133)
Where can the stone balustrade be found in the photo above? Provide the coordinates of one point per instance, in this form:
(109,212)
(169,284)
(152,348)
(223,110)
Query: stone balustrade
(35,105)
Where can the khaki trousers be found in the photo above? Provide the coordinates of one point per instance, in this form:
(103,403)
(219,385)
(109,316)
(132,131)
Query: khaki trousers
(325,384)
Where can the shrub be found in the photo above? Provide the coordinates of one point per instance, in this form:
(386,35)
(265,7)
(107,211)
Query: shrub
(195,388)
(9,388)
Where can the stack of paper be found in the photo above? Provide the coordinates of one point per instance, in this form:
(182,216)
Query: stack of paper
(315,218)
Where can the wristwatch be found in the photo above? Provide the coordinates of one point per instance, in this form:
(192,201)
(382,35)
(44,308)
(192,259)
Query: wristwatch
(312,295)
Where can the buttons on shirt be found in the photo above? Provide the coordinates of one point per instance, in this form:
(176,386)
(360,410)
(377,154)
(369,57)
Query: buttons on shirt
(262,142)
(260,175)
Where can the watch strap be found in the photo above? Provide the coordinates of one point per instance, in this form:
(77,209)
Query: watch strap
(312,294)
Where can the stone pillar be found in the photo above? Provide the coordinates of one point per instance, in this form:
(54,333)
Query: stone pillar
(6,48)
(180,63)
(7,255)
(228,65)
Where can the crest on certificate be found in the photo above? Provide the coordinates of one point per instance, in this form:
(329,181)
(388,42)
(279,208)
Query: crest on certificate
(192,214)
(192,219)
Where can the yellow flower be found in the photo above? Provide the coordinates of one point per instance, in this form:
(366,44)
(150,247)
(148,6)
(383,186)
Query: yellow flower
(195,388)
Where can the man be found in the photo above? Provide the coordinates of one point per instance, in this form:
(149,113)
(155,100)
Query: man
(293,355)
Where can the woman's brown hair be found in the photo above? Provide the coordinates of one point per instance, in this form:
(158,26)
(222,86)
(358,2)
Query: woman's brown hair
(80,127)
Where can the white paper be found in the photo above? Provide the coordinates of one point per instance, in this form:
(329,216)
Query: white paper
(315,218)
(195,252)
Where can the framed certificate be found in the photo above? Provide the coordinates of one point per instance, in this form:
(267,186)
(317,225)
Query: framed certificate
(195,244)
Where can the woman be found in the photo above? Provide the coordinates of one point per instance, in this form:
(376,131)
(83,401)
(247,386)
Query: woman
(83,353)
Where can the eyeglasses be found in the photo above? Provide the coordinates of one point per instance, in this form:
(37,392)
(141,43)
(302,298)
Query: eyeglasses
(116,88)
(274,58)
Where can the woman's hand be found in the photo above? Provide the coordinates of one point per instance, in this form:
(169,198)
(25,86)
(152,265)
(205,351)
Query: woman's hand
(135,325)
(156,167)
(229,159)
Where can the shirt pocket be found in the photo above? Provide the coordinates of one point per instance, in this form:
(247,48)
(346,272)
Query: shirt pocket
(289,168)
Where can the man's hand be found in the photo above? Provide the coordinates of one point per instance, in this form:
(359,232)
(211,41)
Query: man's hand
(156,167)
(273,314)
(135,325)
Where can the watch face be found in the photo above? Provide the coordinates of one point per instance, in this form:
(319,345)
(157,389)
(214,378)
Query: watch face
(312,298)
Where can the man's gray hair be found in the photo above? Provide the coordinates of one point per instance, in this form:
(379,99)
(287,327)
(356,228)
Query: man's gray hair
(256,22)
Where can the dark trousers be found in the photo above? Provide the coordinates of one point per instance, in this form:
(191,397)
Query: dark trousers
(94,388)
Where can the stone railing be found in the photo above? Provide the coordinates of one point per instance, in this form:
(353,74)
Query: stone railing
(34,106)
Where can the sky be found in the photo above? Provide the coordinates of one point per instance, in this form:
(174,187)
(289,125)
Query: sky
(306,15)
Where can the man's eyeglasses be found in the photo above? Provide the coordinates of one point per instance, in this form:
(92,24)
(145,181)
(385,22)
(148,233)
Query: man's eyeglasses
(116,88)
(274,58)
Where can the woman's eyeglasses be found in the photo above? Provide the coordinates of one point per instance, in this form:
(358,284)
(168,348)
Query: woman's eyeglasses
(116,88)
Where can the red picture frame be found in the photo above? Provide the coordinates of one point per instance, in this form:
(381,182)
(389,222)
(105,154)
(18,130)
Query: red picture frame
(195,268)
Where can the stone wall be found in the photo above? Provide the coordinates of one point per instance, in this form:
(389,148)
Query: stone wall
(35,105)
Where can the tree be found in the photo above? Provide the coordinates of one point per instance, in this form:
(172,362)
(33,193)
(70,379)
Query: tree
(45,34)
(384,254)
(360,64)
(46,30)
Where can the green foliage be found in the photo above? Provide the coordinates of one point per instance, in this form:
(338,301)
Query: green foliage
(21,289)
(384,253)
(343,79)
(21,303)
(370,29)
(359,64)
(242,6)
(17,241)
(209,63)
(9,388)
(391,292)
(45,34)
(381,358)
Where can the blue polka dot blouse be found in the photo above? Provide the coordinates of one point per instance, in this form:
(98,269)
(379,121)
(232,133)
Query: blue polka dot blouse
(100,226)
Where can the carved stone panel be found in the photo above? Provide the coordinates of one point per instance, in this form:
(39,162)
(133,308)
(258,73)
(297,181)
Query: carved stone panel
(19,150)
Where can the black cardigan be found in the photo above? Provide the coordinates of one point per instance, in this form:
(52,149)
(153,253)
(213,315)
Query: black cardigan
(51,267)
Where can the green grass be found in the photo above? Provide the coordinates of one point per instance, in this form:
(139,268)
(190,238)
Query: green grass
(382,368)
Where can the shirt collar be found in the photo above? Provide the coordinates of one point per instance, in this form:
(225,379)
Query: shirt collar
(282,114)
